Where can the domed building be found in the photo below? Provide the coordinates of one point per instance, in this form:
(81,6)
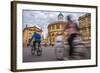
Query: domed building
(55,28)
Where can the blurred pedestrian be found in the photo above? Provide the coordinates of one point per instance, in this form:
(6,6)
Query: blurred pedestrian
(59,46)
(72,31)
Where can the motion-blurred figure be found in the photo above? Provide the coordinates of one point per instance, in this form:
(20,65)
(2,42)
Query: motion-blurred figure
(72,30)
(59,46)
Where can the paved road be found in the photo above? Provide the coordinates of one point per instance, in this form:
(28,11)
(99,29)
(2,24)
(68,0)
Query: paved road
(48,54)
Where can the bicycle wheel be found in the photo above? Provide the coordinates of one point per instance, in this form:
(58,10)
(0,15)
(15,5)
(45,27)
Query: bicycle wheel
(32,50)
(80,51)
(39,52)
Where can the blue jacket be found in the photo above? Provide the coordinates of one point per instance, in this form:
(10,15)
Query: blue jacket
(36,37)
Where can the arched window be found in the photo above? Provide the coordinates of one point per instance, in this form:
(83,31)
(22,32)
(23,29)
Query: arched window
(53,27)
(52,34)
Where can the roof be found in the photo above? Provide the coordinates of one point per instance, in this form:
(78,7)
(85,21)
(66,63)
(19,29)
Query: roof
(32,28)
(86,15)
(60,14)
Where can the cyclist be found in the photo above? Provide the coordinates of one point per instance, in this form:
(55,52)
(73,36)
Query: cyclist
(36,39)
(72,30)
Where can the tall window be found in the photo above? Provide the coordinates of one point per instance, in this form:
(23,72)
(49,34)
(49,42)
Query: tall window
(53,27)
(58,26)
(52,34)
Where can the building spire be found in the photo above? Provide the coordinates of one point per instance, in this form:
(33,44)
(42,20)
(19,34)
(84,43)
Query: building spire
(60,17)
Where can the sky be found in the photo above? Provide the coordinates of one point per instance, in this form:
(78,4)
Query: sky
(42,19)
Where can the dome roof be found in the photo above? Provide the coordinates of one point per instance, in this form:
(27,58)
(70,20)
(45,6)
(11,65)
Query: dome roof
(60,14)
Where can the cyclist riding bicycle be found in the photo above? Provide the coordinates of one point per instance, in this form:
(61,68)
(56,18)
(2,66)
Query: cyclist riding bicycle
(36,40)
(72,30)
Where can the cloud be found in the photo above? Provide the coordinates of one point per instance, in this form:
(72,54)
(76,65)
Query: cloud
(44,18)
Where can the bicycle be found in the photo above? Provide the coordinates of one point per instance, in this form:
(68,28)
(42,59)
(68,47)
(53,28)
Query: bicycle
(81,51)
(36,51)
